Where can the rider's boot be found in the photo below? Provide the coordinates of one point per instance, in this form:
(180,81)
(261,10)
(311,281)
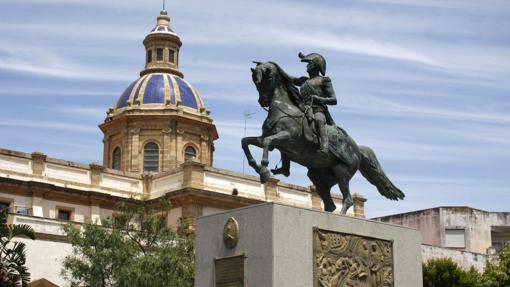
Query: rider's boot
(323,140)
(282,170)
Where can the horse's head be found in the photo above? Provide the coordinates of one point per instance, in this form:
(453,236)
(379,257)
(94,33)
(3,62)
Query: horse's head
(266,77)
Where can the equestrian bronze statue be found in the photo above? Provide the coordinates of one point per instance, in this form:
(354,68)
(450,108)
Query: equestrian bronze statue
(299,125)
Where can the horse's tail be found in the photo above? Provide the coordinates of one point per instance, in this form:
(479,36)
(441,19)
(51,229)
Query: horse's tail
(373,172)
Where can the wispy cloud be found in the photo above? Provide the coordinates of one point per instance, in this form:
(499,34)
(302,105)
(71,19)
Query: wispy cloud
(48,63)
(95,112)
(48,125)
(377,105)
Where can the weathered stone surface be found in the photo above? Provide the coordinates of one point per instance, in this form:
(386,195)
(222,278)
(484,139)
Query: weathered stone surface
(278,242)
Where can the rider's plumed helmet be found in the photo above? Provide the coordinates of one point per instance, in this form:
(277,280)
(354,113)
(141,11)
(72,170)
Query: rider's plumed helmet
(315,58)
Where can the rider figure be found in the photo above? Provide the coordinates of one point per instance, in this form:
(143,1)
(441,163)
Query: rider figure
(317,92)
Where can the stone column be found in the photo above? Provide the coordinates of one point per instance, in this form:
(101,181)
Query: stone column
(38,159)
(271,189)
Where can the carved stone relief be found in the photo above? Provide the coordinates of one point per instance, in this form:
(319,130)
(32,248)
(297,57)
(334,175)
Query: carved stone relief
(346,260)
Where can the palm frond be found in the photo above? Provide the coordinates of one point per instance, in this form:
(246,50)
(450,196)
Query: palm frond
(22,230)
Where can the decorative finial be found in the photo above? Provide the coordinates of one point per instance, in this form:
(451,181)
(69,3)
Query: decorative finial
(163,12)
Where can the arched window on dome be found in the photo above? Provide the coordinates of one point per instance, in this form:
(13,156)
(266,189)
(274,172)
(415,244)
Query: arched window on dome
(151,157)
(116,158)
(190,153)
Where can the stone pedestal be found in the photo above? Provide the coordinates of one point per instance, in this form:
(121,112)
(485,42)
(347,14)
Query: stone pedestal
(279,245)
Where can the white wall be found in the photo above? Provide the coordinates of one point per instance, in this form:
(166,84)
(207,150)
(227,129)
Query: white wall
(44,259)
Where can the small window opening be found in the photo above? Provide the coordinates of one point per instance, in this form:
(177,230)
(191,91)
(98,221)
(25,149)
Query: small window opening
(171,55)
(149,56)
(151,157)
(116,158)
(64,215)
(190,153)
(159,54)
(4,207)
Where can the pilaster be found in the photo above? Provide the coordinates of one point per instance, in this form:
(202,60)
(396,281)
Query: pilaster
(147,184)
(178,146)
(316,199)
(95,173)
(359,205)
(190,212)
(38,159)
(95,212)
(193,174)
(204,150)
(271,189)
(37,204)
(135,150)
(167,149)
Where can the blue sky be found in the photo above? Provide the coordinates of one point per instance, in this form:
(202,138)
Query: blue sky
(424,83)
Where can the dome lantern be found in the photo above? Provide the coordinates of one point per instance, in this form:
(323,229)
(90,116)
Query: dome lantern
(162,48)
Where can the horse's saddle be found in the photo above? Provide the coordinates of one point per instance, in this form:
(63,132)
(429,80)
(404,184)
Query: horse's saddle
(338,141)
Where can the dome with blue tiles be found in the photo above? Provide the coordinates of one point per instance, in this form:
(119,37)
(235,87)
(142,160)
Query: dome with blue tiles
(160,89)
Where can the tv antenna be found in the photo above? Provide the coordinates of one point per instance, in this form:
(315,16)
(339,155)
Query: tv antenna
(247,115)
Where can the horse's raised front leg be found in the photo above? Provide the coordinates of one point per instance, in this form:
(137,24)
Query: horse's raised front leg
(245,142)
(269,143)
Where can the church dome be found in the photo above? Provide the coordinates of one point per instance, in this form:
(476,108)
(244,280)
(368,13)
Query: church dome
(155,89)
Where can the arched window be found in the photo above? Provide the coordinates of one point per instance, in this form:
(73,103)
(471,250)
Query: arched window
(190,153)
(151,157)
(116,158)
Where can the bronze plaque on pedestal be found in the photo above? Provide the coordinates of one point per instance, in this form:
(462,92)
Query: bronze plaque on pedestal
(230,271)
(341,259)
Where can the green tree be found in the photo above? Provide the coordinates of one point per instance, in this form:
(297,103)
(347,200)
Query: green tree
(135,248)
(498,274)
(443,272)
(13,271)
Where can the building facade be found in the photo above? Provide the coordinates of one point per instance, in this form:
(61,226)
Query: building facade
(467,235)
(158,143)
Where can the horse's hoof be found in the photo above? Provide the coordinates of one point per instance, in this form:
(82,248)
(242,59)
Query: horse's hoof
(265,176)
(330,208)
(345,207)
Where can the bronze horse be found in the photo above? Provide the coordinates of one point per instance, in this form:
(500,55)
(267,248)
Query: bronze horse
(285,129)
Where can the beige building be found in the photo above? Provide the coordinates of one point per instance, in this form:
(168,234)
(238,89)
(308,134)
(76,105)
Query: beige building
(467,235)
(158,143)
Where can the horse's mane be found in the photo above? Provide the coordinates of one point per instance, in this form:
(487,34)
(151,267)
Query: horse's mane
(294,93)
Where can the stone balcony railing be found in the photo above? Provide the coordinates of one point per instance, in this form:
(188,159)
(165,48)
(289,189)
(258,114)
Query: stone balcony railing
(38,167)
(44,228)
(93,177)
